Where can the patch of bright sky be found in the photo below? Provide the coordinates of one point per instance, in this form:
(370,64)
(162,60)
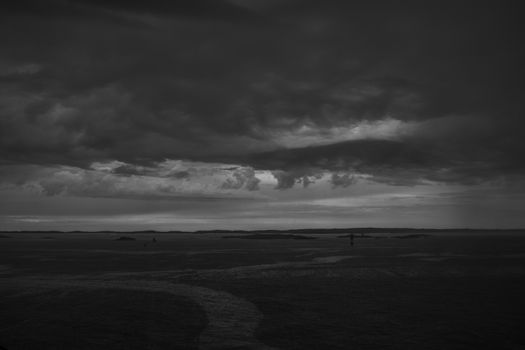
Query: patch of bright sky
(311,135)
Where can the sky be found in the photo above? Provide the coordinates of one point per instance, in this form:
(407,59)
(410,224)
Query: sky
(252,114)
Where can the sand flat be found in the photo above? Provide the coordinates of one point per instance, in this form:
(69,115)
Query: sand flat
(439,292)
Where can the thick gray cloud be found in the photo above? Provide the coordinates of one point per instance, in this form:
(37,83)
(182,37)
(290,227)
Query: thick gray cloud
(342,180)
(142,82)
(288,179)
(242,178)
(108,181)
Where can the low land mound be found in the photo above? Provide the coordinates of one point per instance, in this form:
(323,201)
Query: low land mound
(125,238)
(270,236)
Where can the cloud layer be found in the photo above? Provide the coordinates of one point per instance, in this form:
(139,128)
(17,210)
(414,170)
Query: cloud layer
(163,99)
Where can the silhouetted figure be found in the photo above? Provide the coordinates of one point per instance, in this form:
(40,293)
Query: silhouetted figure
(154,240)
(352,239)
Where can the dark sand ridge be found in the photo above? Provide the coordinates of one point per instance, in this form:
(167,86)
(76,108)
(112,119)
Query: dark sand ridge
(232,321)
(324,266)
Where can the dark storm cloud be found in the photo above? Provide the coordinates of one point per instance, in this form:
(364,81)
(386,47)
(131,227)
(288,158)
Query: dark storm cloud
(218,80)
(386,159)
(342,180)
(343,155)
(114,9)
(453,154)
(128,169)
(205,9)
(288,178)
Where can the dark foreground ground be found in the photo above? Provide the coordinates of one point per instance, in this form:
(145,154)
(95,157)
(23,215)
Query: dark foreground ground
(190,291)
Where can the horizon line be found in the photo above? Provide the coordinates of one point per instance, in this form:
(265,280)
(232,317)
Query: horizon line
(369,229)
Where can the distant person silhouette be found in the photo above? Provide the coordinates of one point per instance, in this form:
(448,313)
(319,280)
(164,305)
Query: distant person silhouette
(352,240)
(154,240)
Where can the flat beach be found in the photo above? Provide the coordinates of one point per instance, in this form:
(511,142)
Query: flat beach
(202,291)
